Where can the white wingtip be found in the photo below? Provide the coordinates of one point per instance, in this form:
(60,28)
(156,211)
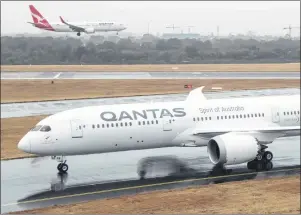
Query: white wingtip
(196,94)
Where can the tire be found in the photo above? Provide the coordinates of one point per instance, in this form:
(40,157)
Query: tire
(64,168)
(259,157)
(268,156)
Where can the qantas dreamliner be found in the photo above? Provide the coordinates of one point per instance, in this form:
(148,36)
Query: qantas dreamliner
(235,131)
(88,27)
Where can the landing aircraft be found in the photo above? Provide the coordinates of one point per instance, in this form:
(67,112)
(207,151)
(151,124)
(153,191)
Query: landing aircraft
(235,130)
(85,27)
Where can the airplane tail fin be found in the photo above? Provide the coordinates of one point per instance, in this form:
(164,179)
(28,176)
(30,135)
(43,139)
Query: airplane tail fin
(38,18)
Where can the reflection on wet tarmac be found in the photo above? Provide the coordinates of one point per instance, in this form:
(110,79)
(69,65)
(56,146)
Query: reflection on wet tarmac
(59,194)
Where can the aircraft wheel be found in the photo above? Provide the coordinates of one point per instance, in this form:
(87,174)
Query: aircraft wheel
(78,34)
(62,167)
(268,156)
(259,157)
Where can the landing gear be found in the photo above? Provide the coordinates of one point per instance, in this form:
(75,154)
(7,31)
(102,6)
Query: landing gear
(116,33)
(78,34)
(262,161)
(62,167)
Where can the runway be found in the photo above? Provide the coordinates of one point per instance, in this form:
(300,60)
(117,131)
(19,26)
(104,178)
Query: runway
(51,107)
(27,186)
(147,75)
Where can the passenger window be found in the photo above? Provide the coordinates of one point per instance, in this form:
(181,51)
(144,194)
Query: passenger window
(288,113)
(143,122)
(156,121)
(295,112)
(98,126)
(103,125)
(139,123)
(217,117)
(148,122)
(152,122)
(45,128)
(193,119)
(284,113)
(255,115)
(198,119)
(221,117)
(121,124)
(262,114)
(248,115)
(259,114)
(225,117)
(130,124)
(125,124)
(209,117)
(107,125)
(116,124)
(93,126)
(112,125)
(78,127)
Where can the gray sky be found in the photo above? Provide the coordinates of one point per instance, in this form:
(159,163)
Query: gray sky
(231,17)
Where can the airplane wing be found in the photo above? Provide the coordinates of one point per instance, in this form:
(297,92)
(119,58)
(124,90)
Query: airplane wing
(73,27)
(280,131)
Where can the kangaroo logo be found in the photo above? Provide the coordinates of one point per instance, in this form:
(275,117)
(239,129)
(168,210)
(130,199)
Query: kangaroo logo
(40,20)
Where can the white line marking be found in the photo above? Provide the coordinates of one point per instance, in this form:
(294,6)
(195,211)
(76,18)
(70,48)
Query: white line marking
(57,76)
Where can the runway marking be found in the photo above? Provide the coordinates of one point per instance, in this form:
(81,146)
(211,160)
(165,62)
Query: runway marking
(136,187)
(57,76)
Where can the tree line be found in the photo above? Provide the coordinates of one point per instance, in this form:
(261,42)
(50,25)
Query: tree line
(49,50)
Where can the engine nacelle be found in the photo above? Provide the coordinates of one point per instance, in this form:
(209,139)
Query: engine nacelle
(90,30)
(232,149)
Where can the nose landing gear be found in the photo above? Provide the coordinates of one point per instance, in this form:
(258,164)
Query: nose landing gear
(78,34)
(62,167)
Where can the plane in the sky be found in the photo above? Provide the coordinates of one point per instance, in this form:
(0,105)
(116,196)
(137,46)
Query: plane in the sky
(86,27)
(235,130)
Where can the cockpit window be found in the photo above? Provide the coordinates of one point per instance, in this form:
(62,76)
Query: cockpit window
(46,128)
(36,128)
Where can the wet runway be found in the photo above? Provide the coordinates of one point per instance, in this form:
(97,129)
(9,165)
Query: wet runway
(150,75)
(51,107)
(113,174)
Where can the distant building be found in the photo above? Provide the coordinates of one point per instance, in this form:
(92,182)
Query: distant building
(181,36)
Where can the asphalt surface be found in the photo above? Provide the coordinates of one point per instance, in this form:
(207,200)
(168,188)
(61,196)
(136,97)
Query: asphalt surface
(27,185)
(51,107)
(150,75)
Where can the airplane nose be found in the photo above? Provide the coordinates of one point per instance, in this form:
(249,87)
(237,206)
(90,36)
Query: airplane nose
(24,145)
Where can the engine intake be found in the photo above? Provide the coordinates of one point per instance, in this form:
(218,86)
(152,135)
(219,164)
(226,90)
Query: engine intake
(232,149)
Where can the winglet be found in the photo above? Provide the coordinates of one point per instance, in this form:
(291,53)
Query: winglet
(62,20)
(196,95)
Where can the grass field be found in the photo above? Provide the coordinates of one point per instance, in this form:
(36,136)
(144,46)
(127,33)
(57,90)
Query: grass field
(44,90)
(152,67)
(269,196)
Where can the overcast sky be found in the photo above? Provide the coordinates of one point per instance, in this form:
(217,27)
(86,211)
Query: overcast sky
(232,17)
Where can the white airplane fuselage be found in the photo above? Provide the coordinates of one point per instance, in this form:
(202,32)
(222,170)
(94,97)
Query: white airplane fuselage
(112,128)
(91,27)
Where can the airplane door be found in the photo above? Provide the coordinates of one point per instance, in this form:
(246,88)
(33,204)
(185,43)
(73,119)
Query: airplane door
(76,129)
(167,124)
(275,115)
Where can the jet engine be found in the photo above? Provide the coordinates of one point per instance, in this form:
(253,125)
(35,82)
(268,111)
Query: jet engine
(231,148)
(90,30)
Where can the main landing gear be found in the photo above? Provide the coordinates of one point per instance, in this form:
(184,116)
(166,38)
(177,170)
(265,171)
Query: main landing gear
(78,34)
(262,160)
(62,167)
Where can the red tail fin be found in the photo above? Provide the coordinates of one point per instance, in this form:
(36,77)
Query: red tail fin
(38,19)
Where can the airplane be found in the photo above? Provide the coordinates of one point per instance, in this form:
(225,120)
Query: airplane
(87,27)
(234,130)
